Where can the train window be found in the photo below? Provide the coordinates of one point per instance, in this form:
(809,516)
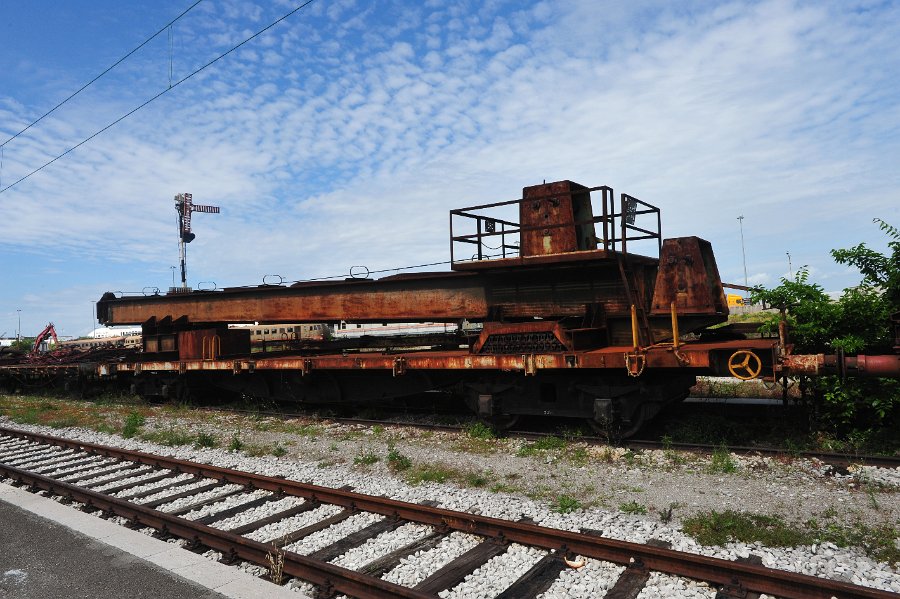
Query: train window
(281,330)
(290,329)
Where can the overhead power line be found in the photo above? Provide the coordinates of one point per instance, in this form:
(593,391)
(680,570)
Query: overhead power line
(162,93)
(107,70)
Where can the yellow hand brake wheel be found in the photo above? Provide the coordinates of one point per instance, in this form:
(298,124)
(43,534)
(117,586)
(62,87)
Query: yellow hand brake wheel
(744,364)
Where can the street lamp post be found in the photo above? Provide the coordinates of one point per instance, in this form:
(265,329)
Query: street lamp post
(93,313)
(19,329)
(743,252)
(790,268)
(173,276)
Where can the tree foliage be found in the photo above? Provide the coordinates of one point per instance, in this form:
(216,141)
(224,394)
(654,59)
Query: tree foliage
(856,322)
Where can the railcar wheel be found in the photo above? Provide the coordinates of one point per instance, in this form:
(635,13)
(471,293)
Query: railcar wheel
(614,428)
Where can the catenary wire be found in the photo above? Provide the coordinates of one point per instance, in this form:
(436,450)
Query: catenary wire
(107,70)
(163,92)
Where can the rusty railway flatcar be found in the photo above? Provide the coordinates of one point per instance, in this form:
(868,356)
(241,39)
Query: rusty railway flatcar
(555,312)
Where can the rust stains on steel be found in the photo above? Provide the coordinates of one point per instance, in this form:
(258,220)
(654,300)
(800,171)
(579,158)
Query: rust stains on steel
(317,572)
(750,577)
(803,364)
(446,298)
(862,365)
(689,277)
(699,356)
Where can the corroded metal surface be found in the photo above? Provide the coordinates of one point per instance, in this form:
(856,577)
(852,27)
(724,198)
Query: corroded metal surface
(689,277)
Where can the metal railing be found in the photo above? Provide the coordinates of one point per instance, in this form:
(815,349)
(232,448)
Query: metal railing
(495,237)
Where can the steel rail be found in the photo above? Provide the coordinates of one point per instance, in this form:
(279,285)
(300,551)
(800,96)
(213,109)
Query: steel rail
(321,573)
(749,577)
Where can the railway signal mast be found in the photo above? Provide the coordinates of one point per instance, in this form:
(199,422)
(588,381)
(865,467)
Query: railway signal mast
(184,206)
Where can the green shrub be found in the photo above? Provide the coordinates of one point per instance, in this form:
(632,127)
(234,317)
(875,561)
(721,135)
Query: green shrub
(206,440)
(479,430)
(565,504)
(133,423)
(722,462)
(541,445)
(235,444)
(366,459)
(633,507)
(397,462)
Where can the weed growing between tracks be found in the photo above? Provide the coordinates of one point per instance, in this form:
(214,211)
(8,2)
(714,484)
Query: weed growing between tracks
(276,564)
(106,414)
(634,508)
(722,462)
(133,423)
(718,528)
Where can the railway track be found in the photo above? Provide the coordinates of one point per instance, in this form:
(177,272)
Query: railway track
(314,531)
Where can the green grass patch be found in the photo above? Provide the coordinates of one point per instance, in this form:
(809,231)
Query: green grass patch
(170,437)
(565,504)
(366,459)
(63,422)
(634,508)
(476,479)
(133,424)
(206,440)
(431,473)
(542,445)
(479,430)
(279,450)
(722,462)
(718,528)
(579,456)
(235,444)
(396,461)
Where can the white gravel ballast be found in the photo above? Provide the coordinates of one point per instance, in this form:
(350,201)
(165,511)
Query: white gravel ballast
(823,559)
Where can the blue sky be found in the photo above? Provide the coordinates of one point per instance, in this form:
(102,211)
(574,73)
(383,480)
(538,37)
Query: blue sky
(345,134)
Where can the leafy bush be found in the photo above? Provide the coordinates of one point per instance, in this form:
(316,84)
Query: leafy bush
(479,430)
(858,321)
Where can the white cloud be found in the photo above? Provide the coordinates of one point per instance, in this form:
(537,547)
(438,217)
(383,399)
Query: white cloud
(346,135)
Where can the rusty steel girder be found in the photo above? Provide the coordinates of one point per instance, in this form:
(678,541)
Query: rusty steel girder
(559,263)
(592,285)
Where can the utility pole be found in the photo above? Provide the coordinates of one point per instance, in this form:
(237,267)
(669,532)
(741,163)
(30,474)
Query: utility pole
(184,206)
(743,252)
(19,329)
(790,268)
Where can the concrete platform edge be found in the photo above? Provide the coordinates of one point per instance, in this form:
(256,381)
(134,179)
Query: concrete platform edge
(230,581)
